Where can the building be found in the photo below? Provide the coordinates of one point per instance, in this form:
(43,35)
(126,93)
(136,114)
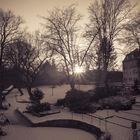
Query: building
(131,68)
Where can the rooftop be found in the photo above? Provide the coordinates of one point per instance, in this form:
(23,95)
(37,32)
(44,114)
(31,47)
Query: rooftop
(135,54)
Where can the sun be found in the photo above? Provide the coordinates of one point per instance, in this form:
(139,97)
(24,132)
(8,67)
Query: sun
(78,69)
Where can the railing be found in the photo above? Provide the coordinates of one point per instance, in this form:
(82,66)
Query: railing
(104,123)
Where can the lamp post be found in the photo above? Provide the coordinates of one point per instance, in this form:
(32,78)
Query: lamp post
(53,86)
(134,131)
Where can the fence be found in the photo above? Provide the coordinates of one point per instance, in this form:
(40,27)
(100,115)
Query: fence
(121,131)
(107,124)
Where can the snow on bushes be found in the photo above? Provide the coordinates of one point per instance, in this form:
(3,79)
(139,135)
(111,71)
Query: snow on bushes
(79,101)
(36,105)
(116,102)
(88,102)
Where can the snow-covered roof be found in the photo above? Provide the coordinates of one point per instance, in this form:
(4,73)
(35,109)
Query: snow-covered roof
(135,54)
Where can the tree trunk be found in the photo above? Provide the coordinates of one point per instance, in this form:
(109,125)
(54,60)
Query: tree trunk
(21,92)
(29,89)
(1,84)
(106,74)
(71,81)
(72,85)
(106,80)
(1,106)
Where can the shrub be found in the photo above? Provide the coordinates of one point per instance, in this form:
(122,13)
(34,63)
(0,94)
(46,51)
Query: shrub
(117,103)
(37,95)
(79,101)
(37,108)
(132,99)
(60,102)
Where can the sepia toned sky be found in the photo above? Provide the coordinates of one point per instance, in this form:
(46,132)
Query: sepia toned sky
(30,10)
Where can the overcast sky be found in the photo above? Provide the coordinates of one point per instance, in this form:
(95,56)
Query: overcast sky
(30,10)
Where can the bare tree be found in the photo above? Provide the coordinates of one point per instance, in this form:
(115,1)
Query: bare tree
(107,19)
(27,57)
(132,32)
(61,35)
(9,30)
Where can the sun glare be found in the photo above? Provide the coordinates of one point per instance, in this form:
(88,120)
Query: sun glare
(78,69)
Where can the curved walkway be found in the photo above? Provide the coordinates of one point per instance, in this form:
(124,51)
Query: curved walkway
(66,123)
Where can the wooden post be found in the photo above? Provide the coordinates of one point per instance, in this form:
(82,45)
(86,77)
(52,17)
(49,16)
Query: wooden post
(134,129)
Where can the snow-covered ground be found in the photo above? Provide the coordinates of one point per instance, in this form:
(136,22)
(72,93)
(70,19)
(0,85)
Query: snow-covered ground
(18,131)
(119,123)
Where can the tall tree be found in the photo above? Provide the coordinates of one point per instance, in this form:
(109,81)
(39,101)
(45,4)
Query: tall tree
(107,19)
(27,57)
(9,30)
(132,32)
(61,35)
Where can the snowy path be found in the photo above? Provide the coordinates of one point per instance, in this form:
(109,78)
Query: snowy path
(18,132)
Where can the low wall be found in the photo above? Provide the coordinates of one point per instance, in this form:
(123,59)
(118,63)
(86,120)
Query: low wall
(26,119)
(67,123)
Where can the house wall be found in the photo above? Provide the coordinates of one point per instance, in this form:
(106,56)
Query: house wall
(131,71)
